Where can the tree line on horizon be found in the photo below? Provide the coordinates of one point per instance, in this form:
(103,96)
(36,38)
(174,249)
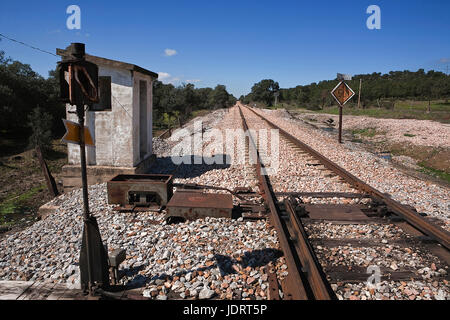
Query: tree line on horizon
(377,90)
(174,105)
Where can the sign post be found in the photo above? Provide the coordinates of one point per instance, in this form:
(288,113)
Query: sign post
(340,124)
(79,87)
(342,93)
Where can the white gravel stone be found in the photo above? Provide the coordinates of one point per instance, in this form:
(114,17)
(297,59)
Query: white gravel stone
(206,293)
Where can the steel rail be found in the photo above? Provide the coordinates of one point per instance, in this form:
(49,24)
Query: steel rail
(314,273)
(295,286)
(413,218)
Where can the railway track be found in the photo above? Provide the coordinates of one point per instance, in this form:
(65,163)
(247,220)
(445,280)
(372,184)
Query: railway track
(330,231)
(309,278)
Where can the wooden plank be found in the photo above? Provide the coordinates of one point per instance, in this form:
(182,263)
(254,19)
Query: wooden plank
(46,291)
(254,216)
(373,242)
(11,290)
(57,291)
(365,221)
(40,291)
(335,212)
(72,294)
(119,294)
(441,252)
(28,291)
(134,294)
(51,184)
(359,274)
(349,195)
(136,291)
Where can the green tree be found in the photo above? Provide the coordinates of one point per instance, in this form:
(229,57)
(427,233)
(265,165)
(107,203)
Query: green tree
(21,89)
(219,97)
(179,102)
(189,97)
(40,123)
(263,91)
(231,100)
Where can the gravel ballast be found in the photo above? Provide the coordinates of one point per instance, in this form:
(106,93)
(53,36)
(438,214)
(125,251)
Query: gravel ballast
(219,258)
(202,259)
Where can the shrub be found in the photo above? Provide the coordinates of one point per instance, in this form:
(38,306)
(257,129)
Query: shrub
(40,123)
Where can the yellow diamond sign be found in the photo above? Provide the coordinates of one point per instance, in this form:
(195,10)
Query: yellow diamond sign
(342,93)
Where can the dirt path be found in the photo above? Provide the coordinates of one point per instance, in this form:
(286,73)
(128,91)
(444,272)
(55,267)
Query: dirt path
(411,131)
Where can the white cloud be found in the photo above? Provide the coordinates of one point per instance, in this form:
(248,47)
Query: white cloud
(170,52)
(444,60)
(167,78)
(163,76)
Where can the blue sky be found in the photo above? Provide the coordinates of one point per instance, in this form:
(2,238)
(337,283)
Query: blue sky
(237,43)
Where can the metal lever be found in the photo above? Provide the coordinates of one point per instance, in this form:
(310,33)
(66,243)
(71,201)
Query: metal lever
(76,69)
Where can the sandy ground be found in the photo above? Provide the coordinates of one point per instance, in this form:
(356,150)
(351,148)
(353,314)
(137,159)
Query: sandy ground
(423,132)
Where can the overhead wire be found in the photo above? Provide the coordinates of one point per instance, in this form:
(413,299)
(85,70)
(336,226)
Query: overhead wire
(27,45)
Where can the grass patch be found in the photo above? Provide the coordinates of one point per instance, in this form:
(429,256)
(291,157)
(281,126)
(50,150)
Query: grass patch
(422,106)
(431,161)
(440,111)
(17,203)
(368,132)
(22,190)
(200,113)
(409,135)
(434,172)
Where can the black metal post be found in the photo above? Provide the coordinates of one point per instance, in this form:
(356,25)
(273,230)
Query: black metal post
(80,113)
(340,124)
